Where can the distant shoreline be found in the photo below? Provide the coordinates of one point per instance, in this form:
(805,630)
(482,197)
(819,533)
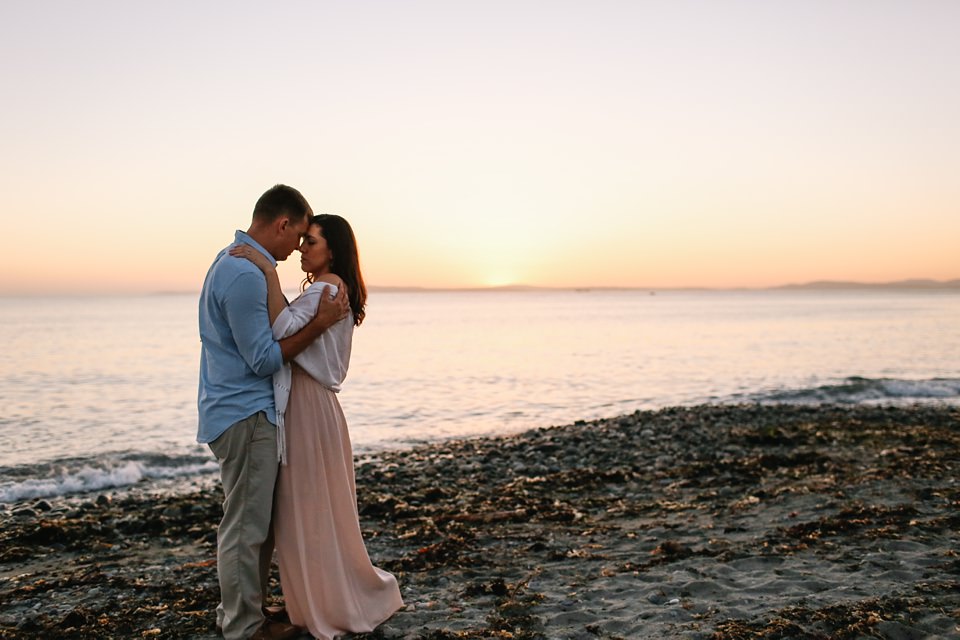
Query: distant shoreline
(915,284)
(921,284)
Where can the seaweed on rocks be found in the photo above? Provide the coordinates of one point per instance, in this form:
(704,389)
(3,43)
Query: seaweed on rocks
(713,521)
(895,616)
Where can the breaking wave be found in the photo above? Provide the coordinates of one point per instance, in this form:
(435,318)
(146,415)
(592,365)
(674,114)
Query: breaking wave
(81,475)
(858,390)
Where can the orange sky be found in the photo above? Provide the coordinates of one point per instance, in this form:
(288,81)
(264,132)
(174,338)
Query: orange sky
(603,144)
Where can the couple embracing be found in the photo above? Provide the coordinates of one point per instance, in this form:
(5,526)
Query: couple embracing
(268,409)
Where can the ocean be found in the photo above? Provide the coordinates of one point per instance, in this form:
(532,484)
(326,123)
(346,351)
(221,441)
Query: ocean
(100,392)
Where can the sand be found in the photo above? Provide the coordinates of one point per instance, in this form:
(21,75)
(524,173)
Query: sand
(703,522)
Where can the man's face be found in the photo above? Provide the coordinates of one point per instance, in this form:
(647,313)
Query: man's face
(290,235)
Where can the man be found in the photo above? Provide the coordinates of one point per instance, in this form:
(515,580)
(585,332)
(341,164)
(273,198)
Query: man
(237,359)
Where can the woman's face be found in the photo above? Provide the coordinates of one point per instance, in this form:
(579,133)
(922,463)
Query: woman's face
(315,256)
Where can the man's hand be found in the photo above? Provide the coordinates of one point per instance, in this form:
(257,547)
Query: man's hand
(330,311)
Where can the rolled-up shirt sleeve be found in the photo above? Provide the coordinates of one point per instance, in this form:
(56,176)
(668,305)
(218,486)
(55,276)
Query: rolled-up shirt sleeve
(301,311)
(245,309)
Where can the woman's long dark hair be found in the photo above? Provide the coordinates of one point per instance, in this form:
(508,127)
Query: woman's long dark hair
(345,262)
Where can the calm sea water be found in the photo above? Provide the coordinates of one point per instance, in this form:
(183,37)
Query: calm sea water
(101,392)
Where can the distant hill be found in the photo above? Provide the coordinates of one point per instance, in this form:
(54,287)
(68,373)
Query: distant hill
(900,284)
(915,284)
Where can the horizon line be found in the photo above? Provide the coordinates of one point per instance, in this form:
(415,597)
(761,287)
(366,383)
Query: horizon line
(919,284)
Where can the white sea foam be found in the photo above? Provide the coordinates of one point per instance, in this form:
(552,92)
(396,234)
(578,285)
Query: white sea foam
(90,478)
(859,390)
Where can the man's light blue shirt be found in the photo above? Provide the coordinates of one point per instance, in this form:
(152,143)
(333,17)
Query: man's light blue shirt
(238,354)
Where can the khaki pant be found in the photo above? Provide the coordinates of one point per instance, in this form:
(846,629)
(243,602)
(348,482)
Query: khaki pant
(247,453)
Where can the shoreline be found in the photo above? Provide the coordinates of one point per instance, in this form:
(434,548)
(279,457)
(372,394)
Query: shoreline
(715,521)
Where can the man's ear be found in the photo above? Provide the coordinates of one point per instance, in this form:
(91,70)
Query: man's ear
(282,223)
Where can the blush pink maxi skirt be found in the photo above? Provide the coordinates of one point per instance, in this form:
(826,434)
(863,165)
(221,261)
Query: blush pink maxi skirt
(329,584)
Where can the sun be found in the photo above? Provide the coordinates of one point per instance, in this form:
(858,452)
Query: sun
(498,279)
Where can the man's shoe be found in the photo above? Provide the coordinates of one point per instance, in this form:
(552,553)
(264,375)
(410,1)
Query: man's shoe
(276,614)
(276,631)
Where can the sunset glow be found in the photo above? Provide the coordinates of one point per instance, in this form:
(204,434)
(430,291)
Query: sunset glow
(605,144)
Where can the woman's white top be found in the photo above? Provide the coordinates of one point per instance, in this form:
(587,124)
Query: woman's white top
(326,359)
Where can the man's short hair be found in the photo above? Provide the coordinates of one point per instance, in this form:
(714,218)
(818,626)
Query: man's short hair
(281,200)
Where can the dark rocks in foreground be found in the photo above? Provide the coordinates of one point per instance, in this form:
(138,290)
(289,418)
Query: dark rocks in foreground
(704,522)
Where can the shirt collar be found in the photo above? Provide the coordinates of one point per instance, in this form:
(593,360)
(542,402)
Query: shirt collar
(243,237)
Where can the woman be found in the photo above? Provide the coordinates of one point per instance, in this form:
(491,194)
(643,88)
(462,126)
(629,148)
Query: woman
(328,581)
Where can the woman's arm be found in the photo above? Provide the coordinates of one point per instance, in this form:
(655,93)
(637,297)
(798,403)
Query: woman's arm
(275,300)
(294,335)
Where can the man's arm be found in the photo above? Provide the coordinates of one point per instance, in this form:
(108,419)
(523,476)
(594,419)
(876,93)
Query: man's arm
(329,312)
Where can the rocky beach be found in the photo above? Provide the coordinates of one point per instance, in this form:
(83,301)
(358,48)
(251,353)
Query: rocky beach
(704,522)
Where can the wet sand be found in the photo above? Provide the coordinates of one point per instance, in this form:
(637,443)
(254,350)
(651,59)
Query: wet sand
(703,522)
